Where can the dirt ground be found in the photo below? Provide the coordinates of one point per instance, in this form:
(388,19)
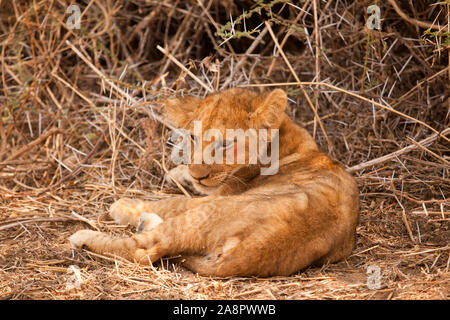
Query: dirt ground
(79,129)
(36,261)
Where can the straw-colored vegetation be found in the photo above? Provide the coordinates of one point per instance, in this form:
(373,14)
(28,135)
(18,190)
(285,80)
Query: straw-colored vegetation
(80,128)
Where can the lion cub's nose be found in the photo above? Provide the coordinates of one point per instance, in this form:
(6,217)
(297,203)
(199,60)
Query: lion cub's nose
(199,172)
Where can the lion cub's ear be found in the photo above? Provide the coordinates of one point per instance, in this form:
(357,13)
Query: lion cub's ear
(270,111)
(180,111)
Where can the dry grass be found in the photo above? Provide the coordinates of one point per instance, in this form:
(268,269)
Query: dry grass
(79,129)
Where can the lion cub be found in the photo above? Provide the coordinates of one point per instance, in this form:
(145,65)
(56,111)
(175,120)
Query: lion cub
(248,223)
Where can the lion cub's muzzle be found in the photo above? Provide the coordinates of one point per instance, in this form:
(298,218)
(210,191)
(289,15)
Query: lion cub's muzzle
(199,172)
(205,176)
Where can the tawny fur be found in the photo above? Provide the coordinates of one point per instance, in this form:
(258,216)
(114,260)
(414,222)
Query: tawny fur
(247,224)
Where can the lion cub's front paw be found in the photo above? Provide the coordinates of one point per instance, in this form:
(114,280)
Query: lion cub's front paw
(180,174)
(83,237)
(148,221)
(127,211)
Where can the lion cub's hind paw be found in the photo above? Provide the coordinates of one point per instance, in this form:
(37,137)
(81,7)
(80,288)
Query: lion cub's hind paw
(148,221)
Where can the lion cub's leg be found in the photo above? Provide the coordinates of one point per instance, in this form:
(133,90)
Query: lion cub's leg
(148,217)
(142,248)
(174,235)
(128,211)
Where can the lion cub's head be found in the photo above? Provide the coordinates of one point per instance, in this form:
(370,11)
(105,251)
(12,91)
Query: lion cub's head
(226,130)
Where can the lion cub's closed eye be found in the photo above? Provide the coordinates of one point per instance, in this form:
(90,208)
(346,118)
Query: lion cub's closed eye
(246,223)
